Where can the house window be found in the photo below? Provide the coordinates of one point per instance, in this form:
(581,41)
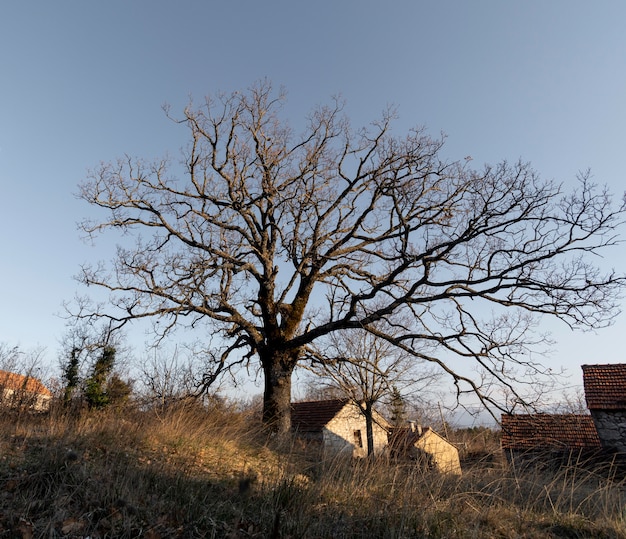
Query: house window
(358,439)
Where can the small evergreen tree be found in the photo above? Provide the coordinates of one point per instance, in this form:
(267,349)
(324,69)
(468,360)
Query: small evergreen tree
(397,407)
(96,385)
(71,376)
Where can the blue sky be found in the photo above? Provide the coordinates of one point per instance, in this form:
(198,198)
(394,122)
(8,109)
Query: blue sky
(84,82)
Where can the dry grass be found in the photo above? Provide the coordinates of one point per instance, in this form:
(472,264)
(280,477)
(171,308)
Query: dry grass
(199,473)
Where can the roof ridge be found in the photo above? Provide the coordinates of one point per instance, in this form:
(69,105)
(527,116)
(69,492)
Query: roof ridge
(16,381)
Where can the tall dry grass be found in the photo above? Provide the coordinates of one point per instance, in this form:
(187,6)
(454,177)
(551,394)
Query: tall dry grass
(197,472)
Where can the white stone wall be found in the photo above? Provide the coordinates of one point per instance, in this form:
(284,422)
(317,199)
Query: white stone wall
(24,399)
(444,455)
(339,433)
(611,427)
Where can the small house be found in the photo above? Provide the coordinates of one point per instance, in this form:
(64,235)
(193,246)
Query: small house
(338,426)
(605,393)
(426,446)
(27,392)
(555,437)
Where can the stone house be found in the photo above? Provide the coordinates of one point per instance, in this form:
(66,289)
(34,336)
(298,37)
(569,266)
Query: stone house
(425,446)
(605,393)
(549,438)
(337,426)
(26,392)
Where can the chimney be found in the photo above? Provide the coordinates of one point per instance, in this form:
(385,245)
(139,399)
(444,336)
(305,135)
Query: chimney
(414,426)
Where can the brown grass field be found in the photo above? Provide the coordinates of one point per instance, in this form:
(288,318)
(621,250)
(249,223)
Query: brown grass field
(197,472)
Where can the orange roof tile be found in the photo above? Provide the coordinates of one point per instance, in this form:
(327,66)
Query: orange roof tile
(605,386)
(19,382)
(549,432)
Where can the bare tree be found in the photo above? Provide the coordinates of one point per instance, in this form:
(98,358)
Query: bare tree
(369,370)
(275,239)
(171,378)
(10,357)
(572,401)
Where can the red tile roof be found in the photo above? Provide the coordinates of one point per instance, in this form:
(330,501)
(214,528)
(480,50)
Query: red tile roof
(19,382)
(312,416)
(605,386)
(549,432)
(403,438)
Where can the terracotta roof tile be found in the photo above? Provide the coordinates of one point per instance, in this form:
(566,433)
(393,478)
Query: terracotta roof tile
(311,416)
(549,432)
(19,382)
(402,438)
(605,386)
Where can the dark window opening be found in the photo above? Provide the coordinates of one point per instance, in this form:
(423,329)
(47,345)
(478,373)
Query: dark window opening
(358,439)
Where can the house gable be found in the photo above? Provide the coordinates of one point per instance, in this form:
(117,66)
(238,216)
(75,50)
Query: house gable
(440,454)
(338,425)
(445,456)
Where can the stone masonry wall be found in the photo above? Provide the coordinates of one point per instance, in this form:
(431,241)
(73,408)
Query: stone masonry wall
(611,427)
(444,455)
(339,434)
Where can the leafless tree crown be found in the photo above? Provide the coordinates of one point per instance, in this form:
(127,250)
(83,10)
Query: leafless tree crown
(278,238)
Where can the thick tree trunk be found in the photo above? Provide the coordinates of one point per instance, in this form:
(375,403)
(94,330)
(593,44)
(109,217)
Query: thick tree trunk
(277,370)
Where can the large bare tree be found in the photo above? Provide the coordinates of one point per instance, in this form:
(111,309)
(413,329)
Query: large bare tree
(276,238)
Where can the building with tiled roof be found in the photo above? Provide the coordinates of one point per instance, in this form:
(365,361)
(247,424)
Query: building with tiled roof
(425,446)
(338,426)
(605,393)
(17,390)
(548,433)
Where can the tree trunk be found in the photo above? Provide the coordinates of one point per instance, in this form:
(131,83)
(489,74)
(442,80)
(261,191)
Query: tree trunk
(277,370)
(369,428)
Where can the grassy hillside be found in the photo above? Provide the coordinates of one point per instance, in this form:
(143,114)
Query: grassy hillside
(211,473)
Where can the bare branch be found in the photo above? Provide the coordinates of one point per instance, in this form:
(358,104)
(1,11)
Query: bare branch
(275,239)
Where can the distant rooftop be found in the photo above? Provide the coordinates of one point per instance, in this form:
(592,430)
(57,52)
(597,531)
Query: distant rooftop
(402,438)
(605,386)
(549,432)
(19,382)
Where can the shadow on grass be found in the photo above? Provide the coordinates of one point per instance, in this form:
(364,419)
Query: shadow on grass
(194,474)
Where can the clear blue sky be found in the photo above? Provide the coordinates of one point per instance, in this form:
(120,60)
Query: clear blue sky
(83,82)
